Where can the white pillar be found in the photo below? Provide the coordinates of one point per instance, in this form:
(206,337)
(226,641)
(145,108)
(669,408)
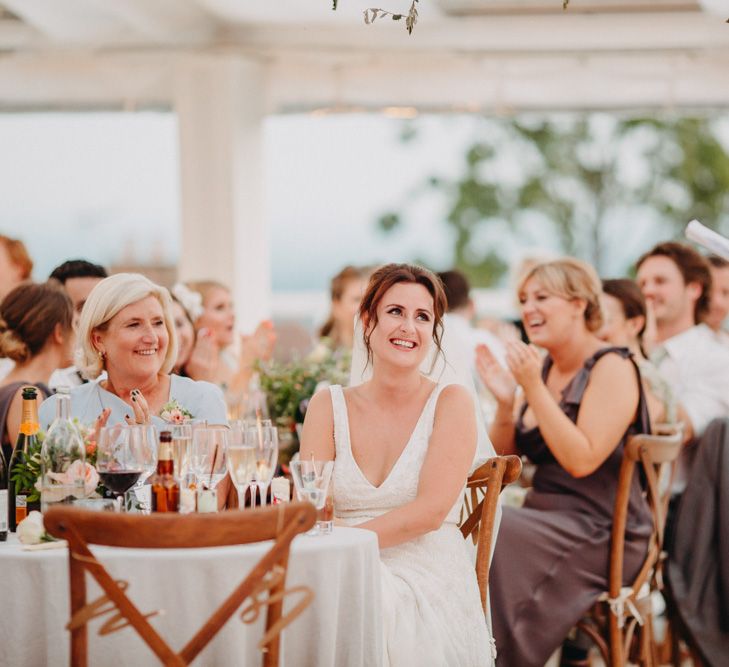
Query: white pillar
(219,103)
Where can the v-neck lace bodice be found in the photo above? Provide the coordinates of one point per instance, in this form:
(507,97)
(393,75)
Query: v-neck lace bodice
(354,495)
(431,609)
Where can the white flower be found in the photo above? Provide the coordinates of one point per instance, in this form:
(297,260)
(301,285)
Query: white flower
(191,300)
(31,530)
(319,354)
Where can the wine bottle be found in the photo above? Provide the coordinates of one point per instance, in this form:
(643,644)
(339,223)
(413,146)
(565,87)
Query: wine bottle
(3,498)
(21,489)
(62,447)
(165,489)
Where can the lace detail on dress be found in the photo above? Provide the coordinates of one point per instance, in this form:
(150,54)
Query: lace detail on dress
(431,607)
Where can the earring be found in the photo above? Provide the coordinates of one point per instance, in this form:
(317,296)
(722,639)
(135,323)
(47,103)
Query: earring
(101,354)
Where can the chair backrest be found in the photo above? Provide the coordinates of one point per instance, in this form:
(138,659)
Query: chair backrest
(280,523)
(656,456)
(487,480)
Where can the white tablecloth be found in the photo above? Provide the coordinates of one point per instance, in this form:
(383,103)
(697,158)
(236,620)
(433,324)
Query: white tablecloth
(340,628)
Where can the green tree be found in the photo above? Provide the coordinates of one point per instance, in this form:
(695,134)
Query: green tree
(589,177)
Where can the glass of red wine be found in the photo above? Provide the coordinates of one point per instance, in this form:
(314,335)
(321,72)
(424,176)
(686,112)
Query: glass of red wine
(117,461)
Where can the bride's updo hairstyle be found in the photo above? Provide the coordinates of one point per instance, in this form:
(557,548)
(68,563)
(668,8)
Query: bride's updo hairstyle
(571,279)
(392,274)
(28,317)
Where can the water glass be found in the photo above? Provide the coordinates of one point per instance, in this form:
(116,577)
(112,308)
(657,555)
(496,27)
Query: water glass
(208,455)
(312,480)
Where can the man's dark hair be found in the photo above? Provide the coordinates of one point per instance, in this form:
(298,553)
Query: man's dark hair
(77,268)
(456,288)
(693,266)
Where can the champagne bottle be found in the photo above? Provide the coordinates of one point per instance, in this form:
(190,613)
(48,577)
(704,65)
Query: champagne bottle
(165,489)
(62,479)
(3,498)
(19,490)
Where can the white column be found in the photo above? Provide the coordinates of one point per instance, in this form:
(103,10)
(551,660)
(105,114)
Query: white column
(219,103)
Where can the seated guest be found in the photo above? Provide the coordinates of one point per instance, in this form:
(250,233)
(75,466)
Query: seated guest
(460,315)
(78,278)
(575,411)
(217,319)
(345,292)
(624,313)
(15,264)
(719,302)
(402,447)
(676,283)
(197,356)
(15,267)
(36,333)
(126,330)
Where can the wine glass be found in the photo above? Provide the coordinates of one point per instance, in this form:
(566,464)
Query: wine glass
(311,479)
(143,443)
(116,461)
(265,442)
(208,455)
(181,439)
(241,462)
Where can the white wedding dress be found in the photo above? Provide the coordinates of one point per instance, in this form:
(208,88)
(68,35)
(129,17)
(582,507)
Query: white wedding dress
(432,614)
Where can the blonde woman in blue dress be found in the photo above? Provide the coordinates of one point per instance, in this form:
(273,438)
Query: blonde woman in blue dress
(403,446)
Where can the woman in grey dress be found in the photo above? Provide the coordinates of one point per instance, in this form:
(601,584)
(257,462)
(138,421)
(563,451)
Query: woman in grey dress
(571,418)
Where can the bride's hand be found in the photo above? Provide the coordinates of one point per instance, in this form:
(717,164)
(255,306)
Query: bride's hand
(499,381)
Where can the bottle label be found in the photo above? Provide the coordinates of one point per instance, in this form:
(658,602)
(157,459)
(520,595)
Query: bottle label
(29,428)
(3,510)
(21,508)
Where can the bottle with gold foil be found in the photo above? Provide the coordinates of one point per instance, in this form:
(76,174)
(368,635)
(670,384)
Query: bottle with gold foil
(165,488)
(20,487)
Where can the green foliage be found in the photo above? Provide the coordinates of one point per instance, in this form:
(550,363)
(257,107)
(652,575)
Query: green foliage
(290,386)
(26,471)
(572,177)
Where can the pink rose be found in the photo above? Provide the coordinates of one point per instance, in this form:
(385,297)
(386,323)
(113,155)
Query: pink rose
(77,471)
(176,416)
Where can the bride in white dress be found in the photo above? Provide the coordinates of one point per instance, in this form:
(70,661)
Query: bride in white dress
(403,446)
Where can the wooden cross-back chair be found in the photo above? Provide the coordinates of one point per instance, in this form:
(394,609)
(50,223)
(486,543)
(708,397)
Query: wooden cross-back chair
(621,621)
(485,484)
(280,523)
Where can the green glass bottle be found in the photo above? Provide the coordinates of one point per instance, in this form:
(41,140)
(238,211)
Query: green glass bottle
(20,490)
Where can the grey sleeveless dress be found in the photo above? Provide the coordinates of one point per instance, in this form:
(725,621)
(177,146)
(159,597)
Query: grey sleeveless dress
(551,557)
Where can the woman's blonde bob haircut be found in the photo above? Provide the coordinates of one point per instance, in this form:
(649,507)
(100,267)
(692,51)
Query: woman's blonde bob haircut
(106,299)
(571,279)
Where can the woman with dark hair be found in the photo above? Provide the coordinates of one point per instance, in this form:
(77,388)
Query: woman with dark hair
(402,447)
(625,317)
(346,291)
(36,333)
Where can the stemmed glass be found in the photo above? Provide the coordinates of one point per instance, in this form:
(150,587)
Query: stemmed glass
(241,460)
(117,461)
(311,479)
(143,443)
(181,439)
(208,455)
(265,443)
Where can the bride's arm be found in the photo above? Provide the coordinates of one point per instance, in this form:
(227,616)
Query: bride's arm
(450,453)
(317,436)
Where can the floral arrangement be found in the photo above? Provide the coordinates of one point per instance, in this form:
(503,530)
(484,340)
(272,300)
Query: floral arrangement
(290,386)
(27,471)
(174,413)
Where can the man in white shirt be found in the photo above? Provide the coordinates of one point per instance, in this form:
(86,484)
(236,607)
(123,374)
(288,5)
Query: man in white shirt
(78,278)
(719,303)
(459,316)
(676,282)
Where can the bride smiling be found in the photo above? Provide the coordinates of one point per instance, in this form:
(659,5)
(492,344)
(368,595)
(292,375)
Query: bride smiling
(403,446)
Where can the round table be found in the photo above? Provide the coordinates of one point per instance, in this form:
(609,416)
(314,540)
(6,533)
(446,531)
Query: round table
(340,627)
